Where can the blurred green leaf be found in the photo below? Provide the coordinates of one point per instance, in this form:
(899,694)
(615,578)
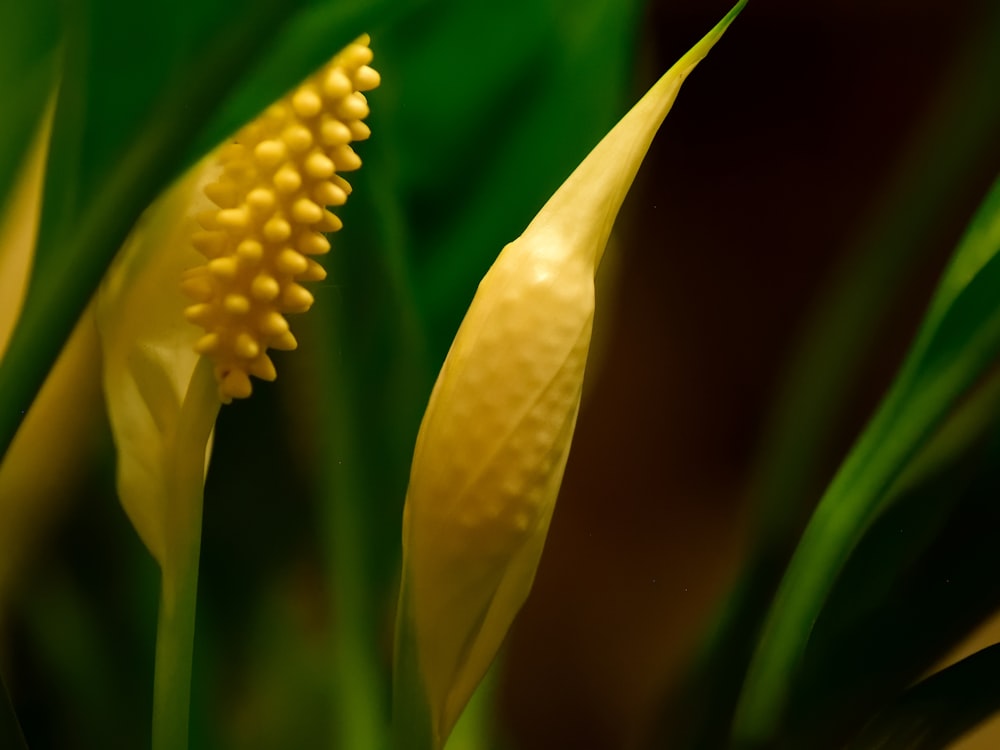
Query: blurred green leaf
(938,710)
(297,49)
(959,338)
(488,129)
(911,590)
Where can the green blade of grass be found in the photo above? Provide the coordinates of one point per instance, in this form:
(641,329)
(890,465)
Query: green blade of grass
(911,590)
(959,338)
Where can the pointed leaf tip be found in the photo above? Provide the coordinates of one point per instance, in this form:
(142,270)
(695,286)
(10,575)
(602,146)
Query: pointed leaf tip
(583,210)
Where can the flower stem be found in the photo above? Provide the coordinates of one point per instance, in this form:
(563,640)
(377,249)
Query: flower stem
(179,583)
(174,654)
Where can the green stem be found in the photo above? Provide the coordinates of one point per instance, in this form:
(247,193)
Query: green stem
(179,583)
(174,655)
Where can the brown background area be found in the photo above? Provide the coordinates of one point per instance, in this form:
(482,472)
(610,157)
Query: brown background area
(772,160)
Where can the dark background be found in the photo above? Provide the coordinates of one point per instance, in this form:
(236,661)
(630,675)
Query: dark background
(779,154)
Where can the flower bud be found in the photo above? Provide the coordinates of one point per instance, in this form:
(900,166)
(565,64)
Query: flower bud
(493,444)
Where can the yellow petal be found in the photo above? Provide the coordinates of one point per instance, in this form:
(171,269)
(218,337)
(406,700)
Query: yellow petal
(493,444)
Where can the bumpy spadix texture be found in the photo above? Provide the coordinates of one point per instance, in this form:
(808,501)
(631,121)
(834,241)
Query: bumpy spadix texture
(278,176)
(496,435)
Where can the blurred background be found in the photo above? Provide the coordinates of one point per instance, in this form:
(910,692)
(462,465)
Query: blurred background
(763,187)
(796,147)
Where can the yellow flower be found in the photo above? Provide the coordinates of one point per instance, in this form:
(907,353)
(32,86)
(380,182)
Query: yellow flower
(189,309)
(495,438)
(211,270)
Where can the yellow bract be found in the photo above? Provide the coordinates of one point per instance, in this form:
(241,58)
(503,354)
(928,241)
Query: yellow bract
(148,354)
(489,461)
(494,440)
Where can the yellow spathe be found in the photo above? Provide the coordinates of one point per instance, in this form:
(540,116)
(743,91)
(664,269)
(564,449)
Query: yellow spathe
(209,272)
(494,441)
(148,354)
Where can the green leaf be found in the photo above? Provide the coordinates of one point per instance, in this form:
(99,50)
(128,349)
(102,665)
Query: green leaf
(912,589)
(938,710)
(496,127)
(959,338)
